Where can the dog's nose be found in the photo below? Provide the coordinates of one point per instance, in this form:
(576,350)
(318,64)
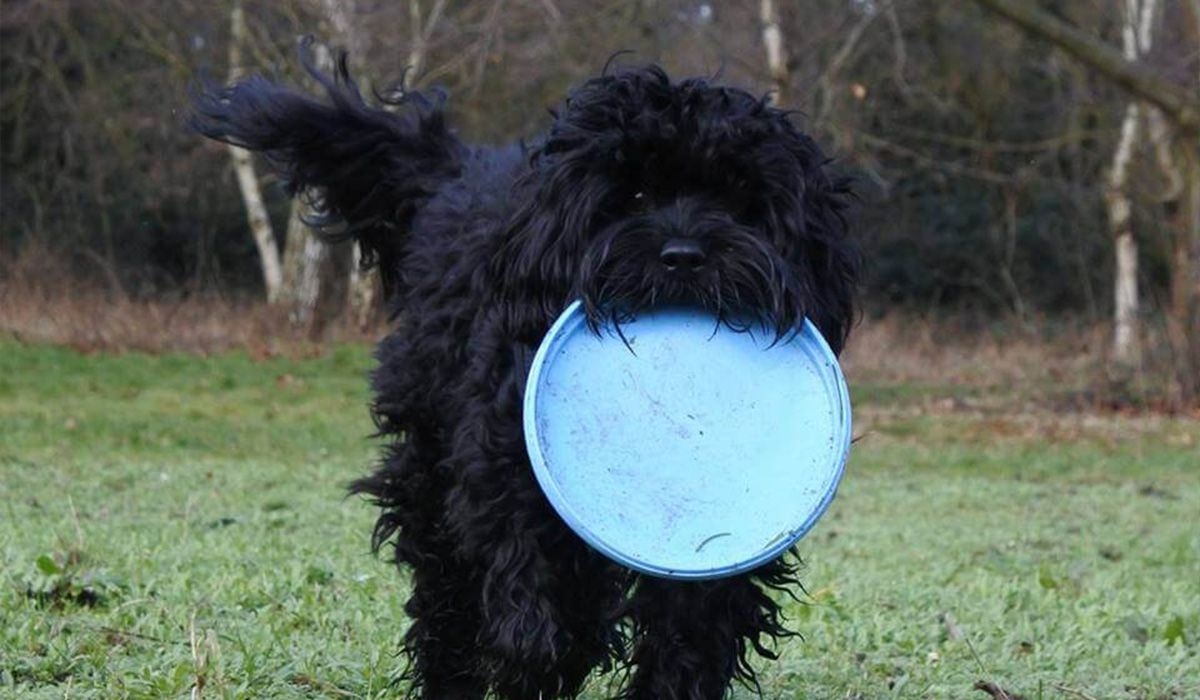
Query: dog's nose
(682,253)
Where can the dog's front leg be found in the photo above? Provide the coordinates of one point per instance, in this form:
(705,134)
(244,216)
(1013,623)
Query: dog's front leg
(546,598)
(695,637)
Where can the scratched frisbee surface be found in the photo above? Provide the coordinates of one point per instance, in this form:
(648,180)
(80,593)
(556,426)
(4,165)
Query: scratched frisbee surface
(700,454)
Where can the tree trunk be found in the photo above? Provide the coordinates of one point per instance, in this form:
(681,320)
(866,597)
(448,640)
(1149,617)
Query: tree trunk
(773,42)
(243,166)
(302,262)
(364,288)
(1182,107)
(334,288)
(309,265)
(1185,342)
(1136,37)
(361,289)
(1162,138)
(1126,329)
(1183,316)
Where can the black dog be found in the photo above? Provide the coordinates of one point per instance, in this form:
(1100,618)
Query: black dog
(643,191)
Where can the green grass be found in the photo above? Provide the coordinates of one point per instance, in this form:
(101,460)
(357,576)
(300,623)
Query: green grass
(172,521)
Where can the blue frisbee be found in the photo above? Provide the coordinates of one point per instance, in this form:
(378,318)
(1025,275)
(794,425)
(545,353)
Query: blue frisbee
(693,452)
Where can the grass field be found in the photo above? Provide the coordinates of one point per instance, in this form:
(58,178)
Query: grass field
(175,525)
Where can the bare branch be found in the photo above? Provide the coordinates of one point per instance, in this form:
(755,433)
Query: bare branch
(1179,107)
(980,174)
(243,166)
(422,32)
(825,82)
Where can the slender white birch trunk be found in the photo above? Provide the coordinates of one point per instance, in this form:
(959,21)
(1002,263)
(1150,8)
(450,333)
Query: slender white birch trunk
(243,166)
(1136,37)
(1125,291)
(773,42)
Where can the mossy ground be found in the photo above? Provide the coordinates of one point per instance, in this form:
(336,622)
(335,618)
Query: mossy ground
(173,522)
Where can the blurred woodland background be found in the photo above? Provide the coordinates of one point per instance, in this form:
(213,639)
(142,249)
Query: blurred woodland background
(1025,165)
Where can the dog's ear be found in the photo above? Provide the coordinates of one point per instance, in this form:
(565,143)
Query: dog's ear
(572,172)
(806,208)
(558,201)
(367,168)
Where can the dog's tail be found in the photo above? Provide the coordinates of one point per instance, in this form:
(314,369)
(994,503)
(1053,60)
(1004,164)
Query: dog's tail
(367,169)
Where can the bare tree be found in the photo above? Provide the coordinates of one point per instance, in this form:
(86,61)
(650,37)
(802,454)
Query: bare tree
(304,255)
(1136,37)
(243,165)
(364,289)
(311,270)
(1176,103)
(309,266)
(1181,107)
(827,83)
(340,15)
(422,31)
(772,37)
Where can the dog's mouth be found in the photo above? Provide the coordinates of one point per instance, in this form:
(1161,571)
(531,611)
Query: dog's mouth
(730,273)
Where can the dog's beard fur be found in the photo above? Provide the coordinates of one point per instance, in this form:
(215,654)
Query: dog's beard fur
(480,250)
(743,283)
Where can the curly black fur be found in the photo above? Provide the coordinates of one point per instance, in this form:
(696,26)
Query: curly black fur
(480,249)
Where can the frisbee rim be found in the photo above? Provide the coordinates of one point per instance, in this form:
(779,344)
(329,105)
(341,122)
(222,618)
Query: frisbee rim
(562,328)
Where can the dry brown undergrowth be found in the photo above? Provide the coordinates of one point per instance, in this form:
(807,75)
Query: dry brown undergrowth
(41,303)
(1057,364)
